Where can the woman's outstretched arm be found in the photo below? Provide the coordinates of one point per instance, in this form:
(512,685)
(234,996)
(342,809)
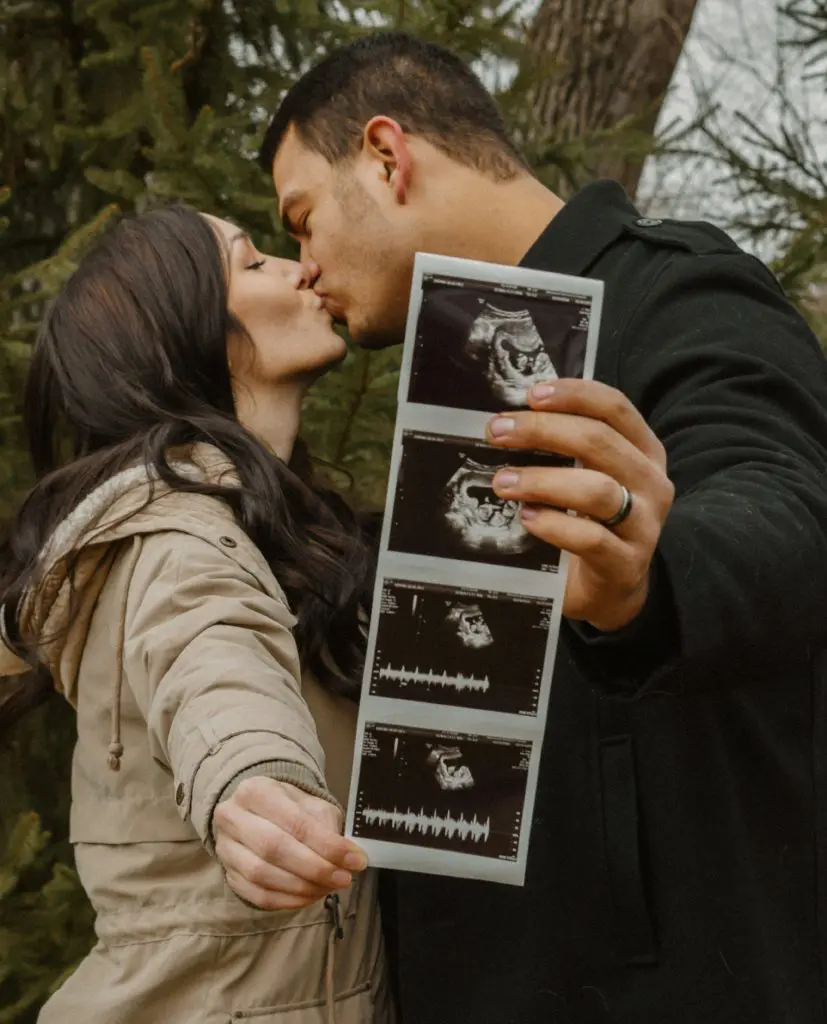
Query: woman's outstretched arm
(211,658)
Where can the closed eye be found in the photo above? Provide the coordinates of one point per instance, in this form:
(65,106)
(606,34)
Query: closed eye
(257,265)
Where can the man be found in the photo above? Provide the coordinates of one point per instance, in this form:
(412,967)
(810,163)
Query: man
(677,866)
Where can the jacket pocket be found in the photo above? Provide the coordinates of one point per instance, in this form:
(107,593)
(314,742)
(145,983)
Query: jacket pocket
(352,1007)
(635,934)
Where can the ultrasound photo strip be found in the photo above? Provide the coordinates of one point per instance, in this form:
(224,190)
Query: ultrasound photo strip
(467,602)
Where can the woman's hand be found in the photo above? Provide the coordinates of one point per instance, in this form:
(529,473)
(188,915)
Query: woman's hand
(282,848)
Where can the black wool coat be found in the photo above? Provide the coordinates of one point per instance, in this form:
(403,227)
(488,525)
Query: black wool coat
(678,862)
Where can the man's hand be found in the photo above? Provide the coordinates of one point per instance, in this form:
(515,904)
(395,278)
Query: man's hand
(282,848)
(609,571)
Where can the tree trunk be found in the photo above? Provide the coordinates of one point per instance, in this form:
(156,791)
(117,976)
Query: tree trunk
(603,69)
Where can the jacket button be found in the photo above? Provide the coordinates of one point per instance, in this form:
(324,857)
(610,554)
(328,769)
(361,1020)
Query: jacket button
(179,794)
(228,542)
(648,222)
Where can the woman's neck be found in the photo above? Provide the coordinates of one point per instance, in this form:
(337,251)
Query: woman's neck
(273,415)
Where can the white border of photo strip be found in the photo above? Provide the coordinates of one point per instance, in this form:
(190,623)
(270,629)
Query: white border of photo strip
(497,579)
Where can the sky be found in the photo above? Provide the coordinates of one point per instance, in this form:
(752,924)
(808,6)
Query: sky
(733,56)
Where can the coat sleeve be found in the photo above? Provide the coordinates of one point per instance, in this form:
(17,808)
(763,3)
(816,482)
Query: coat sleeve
(214,668)
(732,381)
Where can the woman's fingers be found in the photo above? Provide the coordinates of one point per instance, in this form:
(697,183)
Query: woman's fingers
(275,887)
(312,822)
(264,899)
(291,841)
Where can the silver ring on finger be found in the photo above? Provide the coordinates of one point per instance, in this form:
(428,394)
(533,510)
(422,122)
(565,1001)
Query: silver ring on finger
(622,513)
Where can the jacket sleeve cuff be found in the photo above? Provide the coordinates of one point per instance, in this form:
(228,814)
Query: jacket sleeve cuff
(209,763)
(630,660)
(282,771)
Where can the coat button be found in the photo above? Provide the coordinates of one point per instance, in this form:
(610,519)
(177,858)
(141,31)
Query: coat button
(228,542)
(179,794)
(648,222)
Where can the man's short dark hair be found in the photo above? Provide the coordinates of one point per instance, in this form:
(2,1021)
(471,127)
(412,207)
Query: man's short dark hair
(427,89)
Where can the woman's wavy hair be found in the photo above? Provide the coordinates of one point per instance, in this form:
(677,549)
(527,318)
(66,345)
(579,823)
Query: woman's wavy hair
(130,363)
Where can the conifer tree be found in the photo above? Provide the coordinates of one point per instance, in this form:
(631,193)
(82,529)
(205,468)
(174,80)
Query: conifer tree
(108,106)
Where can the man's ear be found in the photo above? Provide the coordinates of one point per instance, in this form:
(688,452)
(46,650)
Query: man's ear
(386,146)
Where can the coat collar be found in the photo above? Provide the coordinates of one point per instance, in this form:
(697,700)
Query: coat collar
(588,224)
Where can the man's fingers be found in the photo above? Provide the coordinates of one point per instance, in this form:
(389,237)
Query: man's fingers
(242,862)
(598,401)
(595,443)
(581,490)
(604,551)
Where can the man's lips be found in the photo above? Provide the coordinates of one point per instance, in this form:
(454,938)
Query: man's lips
(332,307)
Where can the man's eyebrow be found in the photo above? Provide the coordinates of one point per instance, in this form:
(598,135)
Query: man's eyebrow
(290,200)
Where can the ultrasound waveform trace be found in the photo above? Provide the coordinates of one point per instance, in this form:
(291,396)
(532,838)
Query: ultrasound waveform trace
(448,791)
(421,651)
(445,505)
(482,347)
(430,823)
(459,683)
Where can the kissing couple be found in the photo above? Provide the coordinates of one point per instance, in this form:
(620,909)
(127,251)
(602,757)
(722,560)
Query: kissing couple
(180,576)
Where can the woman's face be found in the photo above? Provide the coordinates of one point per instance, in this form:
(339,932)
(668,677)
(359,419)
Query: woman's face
(291,333)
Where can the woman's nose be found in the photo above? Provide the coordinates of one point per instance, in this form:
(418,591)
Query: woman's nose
(297,274)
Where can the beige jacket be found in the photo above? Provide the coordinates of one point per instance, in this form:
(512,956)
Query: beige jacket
(179,659)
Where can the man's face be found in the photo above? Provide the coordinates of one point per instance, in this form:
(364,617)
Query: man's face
(361,241)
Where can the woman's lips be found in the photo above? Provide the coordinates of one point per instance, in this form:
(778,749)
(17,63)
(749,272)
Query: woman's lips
(332,308)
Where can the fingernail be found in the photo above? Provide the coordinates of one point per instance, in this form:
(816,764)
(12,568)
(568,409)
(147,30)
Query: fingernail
(527,512)
(506,480)
(356,861)
(542,391)
(501,425)
(341,879)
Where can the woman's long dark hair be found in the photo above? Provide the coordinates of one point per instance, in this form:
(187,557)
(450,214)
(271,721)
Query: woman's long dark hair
(131,362)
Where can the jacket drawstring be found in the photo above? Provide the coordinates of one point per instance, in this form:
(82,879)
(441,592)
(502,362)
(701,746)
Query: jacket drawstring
(115,749)
(331,903)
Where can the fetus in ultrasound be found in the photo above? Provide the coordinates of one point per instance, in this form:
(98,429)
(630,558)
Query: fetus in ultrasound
(481,519)
(471,628)
(508,346)
(448,773)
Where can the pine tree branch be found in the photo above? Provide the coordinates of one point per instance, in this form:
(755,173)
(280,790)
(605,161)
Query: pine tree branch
(353,410)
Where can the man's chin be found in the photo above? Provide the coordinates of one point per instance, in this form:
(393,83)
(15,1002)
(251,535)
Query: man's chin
(372,338)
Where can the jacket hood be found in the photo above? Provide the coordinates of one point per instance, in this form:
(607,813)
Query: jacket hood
(74,564)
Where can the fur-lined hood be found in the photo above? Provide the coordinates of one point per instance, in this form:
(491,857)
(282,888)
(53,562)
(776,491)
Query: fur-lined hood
(74,564)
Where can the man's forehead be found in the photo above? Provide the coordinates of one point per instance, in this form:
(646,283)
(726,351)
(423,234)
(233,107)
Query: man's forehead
(296,168)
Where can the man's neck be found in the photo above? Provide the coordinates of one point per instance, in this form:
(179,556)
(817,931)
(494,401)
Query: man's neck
(494,221)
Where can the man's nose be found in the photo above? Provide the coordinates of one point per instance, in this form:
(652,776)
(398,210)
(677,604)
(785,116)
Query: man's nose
(312,269)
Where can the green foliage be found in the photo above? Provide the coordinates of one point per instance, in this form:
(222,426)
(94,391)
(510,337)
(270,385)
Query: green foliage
(39,888)
(349,424)
(106,107)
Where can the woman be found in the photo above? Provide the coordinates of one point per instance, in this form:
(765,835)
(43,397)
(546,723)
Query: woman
(197,600)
